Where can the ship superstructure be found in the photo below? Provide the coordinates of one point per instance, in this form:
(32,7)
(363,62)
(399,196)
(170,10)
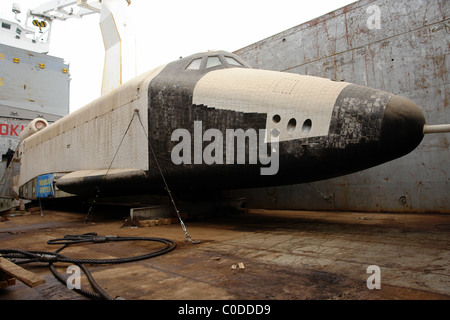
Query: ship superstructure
(33,84)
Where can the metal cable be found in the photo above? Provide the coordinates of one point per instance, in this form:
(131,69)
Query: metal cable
(109,168)
(188,238)
(53,257)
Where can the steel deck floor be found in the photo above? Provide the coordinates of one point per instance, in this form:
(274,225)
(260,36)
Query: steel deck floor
(287,255)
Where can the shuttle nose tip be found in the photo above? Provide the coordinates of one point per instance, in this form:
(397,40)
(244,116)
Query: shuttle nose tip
(401,128)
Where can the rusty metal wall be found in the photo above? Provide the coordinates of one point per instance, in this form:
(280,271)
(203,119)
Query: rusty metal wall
(398,46)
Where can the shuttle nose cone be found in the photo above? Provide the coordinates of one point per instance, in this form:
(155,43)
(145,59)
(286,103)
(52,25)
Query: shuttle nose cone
(401,128)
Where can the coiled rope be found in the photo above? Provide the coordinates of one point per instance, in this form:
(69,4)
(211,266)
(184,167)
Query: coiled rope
(53,257)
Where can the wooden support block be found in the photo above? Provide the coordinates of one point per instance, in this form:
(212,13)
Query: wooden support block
(25,276)
(4,284)
(34,209)
(7,281)
(145,223)
(165,221)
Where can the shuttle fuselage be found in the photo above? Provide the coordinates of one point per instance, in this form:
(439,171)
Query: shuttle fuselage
(211,122)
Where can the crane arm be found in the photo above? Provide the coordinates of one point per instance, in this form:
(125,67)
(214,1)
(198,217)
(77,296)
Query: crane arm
(64,9)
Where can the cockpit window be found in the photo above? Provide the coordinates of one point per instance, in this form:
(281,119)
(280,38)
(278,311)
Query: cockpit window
(213,61)
(195,64)
(233,62)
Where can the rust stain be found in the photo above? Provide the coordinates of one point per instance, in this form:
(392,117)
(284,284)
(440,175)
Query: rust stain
(440,69)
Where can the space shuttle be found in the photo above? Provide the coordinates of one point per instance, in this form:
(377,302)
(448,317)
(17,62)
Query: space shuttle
(209,122)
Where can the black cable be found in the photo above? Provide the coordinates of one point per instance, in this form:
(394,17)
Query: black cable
(53,257)
(98,294)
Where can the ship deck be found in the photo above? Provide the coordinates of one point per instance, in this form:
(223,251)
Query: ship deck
(257,255)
